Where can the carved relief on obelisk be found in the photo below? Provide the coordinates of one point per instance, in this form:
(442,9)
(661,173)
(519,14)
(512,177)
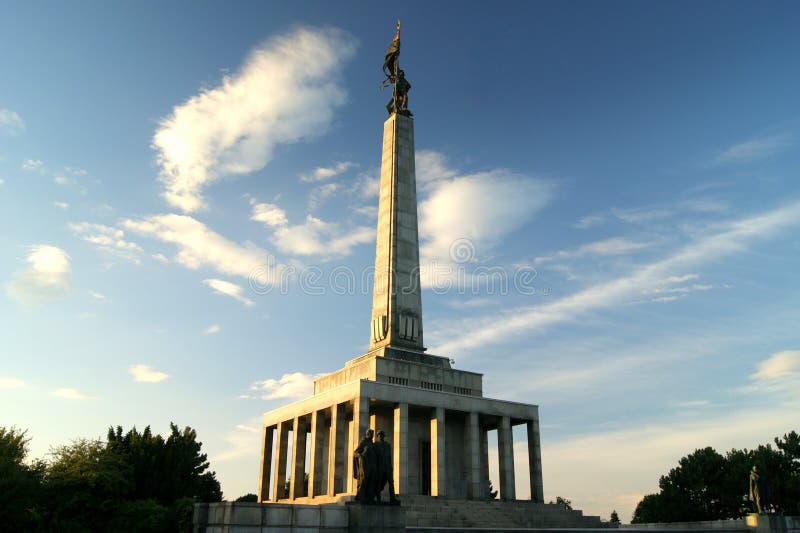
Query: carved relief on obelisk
(396,299)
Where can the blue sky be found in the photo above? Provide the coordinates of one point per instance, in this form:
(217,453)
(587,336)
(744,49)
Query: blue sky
(185,190)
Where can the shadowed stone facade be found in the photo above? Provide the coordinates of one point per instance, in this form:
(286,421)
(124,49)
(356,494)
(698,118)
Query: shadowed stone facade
(435,417)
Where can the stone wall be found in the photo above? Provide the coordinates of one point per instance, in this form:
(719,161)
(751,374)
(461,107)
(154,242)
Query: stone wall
(227,517)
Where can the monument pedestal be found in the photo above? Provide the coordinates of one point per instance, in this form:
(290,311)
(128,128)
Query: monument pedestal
(770,523)
(369,518)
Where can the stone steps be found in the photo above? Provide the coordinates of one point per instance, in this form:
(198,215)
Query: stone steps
(423,511)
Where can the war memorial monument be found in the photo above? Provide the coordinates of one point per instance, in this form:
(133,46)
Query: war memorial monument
(435,418)
(321,468)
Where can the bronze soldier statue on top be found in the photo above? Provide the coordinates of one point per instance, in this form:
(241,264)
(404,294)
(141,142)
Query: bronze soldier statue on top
(365,469)
(396,77)
(385,474)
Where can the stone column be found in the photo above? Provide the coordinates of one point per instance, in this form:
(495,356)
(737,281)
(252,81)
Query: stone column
(316,453)
(336,437)
(505,445)
(400,449)
(297,483)
(281,448)
(484,441)
(438,466)
(360,425)
(535,461)
(473,457)
(266,464)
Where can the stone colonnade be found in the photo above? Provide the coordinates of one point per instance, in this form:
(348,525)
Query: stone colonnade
(334,431)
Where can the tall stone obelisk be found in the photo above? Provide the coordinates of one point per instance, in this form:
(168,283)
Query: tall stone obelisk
(396,298)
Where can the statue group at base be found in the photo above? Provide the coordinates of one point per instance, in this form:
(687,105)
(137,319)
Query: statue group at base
(372,468)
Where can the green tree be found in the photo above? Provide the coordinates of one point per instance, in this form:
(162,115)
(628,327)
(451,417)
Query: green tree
(83,486)
(563,501)
(249,497)
(168,469)
(708,486)
(614,519)
(20,483)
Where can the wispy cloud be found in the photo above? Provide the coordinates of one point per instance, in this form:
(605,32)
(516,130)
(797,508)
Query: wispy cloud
(725,240)
(613,246)
(210,330)
(61,205)
(589,221)
(226,288)
(480,208)
(270,215)
(295,385)
(71,394)
(146,374)
(778,366)
(47,277)
(108,239)
(754,149)
(12,383)
(10,122)
(243,441)
(326,173)
(98,296)
(286,91)
(319,195)
(318,237)
(199,246)
(32,165)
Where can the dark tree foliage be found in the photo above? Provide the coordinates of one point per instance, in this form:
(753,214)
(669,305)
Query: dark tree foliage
(165,470)
(249,497)
(614,519)
(708,486)
(135,482)
(19,482)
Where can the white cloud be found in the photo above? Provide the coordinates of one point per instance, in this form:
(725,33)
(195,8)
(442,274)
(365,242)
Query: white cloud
(108,239)
(71,394)
(10,122)
(779,365)
(97,296)
(726,240)
(614,246)
(2,181)
(367,185)
(638,215)
(589,221)
(754,149)
(269,214)
(481,208)
(32,165)
(430,167)
(199,246)
(161,258)
(61,205)
(226,288)
(320,194)
(75,171)
(210,330)
(47,277)
(63,181)
(317,237)
(12,383)
(146,374)
(326,173)
(285,91)
(243,441)
(295,385)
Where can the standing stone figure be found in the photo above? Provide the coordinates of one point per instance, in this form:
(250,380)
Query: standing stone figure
(385,474)
(756,489)
(365,468)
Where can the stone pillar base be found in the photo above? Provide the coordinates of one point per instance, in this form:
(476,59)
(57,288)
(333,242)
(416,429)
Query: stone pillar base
(369,518)
(767,522)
